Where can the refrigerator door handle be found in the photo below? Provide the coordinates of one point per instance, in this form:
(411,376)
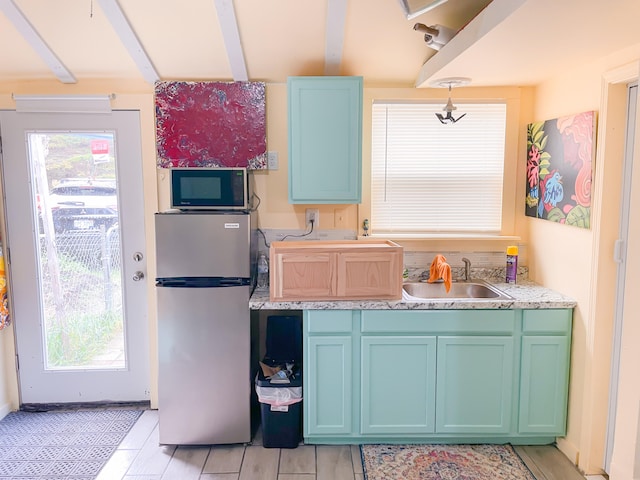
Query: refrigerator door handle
(202,282)
(234,282)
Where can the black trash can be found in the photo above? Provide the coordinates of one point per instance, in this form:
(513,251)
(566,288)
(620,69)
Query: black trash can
(280,397)
(280,411)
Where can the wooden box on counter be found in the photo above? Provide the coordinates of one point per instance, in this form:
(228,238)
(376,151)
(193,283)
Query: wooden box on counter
(335,270)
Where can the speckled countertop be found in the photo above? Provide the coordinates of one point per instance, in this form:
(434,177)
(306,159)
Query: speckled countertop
(524,295)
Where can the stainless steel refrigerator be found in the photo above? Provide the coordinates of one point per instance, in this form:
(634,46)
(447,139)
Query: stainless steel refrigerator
(204,280)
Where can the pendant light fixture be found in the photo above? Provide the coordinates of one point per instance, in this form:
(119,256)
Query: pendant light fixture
(450,107)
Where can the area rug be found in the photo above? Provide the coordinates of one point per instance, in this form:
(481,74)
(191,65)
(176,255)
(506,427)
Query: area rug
(443,462)
(61,444)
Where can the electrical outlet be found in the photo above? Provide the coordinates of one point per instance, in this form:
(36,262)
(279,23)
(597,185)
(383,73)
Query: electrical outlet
(340,218)
(312,214)
(272,160)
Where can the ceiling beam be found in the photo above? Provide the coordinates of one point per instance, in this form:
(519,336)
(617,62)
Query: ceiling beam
(487,20)
(15,15)
(121,25)
(334,36)
(231,35)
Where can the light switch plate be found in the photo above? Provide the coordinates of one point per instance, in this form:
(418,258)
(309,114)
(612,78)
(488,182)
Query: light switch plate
(272,160)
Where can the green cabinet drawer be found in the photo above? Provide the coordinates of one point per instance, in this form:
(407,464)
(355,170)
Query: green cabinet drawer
(329,321)
(547,322)
(469,322)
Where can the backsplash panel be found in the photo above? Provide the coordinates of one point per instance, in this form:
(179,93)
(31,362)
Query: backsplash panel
(489,266)
(278,235)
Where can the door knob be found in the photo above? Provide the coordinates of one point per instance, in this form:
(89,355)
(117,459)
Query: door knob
(138,276)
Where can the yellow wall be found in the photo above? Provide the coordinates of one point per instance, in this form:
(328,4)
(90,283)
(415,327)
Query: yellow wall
(8,385)
(563,258)
(8,380)
(579,262)
(272,186)
(274,212)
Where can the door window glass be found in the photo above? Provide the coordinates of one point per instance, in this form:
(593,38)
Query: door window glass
(76,211)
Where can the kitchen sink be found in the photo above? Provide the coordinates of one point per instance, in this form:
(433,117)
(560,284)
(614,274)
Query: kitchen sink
(471,289)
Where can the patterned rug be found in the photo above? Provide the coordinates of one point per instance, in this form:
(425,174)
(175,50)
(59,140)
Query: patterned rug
(62,444)
(443,462)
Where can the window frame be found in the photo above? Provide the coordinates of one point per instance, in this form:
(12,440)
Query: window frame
(470,163)
(511,96)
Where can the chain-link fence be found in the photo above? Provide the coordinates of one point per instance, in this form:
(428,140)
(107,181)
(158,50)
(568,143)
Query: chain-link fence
(82,294)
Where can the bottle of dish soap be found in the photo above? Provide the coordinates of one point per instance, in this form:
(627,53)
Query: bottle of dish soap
(263,272)
(512,264)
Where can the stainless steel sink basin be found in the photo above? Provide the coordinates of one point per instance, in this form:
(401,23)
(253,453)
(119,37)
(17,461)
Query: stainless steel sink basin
(471,289)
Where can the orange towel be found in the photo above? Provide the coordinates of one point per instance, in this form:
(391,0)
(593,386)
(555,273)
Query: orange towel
(440,269)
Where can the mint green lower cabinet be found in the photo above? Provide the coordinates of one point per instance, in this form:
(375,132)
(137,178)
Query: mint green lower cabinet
(544,372)
(328,391)
(452,376)
(543,392)
(328,382)
(474,385)
(398,385)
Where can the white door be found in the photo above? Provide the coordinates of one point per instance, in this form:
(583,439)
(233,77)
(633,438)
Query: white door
(75,228)
(620,255)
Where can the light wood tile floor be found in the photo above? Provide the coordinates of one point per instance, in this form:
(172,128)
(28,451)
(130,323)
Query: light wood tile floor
(140,457)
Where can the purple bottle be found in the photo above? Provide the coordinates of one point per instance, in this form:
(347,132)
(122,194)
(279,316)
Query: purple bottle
(512,264)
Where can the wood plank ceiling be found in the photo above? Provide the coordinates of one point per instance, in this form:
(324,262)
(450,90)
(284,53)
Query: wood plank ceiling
(499,42)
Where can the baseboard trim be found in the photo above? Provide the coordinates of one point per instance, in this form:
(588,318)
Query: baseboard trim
(569,449)
(5,410)
(47,407)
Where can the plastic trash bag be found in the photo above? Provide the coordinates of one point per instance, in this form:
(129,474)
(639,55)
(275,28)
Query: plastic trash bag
(279,396)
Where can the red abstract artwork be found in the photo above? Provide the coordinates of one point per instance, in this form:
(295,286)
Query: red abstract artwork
(211,124)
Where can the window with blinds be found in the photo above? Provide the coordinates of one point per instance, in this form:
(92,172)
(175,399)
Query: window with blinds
(429,177)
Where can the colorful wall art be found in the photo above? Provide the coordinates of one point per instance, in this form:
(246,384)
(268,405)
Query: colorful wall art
(211,124)
(560,156)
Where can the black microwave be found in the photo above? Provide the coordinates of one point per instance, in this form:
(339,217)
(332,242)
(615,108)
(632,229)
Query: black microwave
(209,188)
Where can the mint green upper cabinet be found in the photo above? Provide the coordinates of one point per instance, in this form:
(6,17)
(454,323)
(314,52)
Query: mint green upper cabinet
(325,139)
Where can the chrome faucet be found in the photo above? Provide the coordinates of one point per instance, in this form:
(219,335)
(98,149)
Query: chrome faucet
(467,269)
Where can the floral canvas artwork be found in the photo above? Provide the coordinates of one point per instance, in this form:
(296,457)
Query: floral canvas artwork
(559,169)
(211,124)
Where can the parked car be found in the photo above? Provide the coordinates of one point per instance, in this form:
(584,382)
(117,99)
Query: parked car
(92,193)
(81,205)
(74,218)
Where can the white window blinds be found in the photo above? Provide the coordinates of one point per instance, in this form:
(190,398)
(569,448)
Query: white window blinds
(433,178)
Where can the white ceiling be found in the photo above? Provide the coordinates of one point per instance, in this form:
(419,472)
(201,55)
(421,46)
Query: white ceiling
(510,42)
